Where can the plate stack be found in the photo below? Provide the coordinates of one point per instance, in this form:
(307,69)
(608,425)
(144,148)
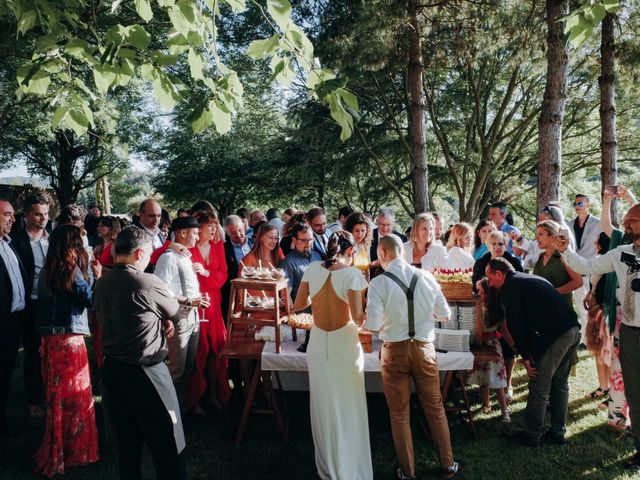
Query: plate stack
(467,321)
(452,340)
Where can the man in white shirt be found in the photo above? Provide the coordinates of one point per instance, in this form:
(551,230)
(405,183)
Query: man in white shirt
(179,274)
(401,304)
(625,262)
(12,302)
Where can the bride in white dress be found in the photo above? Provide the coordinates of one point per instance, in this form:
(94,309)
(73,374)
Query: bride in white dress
(339,421)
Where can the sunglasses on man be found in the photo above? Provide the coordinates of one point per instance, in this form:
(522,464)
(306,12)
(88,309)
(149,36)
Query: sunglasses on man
(579,204)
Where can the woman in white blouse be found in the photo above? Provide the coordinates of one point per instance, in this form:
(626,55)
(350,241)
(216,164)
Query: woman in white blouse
(421,249)
(460,248)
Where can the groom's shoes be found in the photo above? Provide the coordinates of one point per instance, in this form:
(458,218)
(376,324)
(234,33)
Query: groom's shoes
(401,476)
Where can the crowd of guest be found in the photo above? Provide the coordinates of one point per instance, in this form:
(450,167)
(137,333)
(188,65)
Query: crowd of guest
(154,295)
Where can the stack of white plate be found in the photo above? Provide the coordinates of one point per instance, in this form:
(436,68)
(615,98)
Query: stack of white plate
(452,340)
(467,321)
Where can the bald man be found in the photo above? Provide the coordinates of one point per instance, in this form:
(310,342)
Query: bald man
(150,214)
(625,262)
(402,303)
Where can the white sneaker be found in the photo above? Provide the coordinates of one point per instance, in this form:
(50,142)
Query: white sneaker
(506,417)
(509,395)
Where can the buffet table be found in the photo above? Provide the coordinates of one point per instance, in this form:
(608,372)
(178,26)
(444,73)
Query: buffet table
(292,365)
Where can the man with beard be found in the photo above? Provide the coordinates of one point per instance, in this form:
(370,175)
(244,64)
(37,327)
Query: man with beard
(625,262)
(299,258)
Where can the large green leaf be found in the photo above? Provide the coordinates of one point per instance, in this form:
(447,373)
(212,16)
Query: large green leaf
(201,119)
(195,64)
(27,21)
(104,76)
(39,83)
(143,7)
(182,17)
(76,121)
(138,37)
(611,6)
(58,116)
(221,117)
(259,49)
(280,10)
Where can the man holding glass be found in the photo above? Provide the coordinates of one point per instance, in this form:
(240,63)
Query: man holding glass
(179,274)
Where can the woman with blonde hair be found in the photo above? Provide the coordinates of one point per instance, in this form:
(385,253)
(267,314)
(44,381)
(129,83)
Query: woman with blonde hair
(421,250)
(551,265)
(460,247)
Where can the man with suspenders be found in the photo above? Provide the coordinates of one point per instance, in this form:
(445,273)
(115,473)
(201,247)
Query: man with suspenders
(402,304)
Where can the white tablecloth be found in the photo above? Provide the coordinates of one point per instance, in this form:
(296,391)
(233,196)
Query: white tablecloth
(292,365)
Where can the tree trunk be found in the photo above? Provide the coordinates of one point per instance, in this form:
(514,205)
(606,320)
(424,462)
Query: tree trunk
(417,112)
(552,114)
(607,81)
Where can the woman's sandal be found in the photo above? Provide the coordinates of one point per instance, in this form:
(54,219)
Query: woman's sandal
(598,394)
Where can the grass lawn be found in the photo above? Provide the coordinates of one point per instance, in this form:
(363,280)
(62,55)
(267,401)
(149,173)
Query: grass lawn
(594,450)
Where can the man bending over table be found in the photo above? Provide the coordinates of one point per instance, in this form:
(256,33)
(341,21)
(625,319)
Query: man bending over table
(394,298)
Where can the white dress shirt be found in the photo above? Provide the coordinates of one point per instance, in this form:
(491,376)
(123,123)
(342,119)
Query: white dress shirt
(435,257)
(387,308)
(167,269)
(610,262)
(39,247)
(12,264)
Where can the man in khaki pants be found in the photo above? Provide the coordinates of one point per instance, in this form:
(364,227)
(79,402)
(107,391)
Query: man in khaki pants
(402,303)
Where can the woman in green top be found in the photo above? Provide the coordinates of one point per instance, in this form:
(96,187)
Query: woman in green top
(550,264)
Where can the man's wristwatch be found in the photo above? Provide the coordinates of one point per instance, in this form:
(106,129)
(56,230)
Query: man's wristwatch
(188,302)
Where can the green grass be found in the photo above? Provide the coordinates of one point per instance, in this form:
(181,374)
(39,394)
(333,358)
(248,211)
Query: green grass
(594,450)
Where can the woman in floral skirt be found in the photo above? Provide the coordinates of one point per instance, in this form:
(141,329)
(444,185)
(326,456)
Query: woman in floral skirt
(70,436)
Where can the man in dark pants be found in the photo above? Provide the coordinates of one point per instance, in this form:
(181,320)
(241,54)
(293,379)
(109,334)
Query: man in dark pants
(137,312)
(31,244)
(546,333)
(12,302)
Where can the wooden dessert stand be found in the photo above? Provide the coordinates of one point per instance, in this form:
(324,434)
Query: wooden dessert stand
(242,345)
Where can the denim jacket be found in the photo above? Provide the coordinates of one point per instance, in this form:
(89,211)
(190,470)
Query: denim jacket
(65,312)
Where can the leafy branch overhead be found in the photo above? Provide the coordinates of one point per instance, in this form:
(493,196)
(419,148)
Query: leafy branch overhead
(581,22)
(85,49)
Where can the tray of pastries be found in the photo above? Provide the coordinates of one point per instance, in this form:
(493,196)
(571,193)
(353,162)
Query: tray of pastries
(303,321)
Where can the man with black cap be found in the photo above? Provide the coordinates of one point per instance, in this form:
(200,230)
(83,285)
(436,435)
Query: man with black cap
(179,274)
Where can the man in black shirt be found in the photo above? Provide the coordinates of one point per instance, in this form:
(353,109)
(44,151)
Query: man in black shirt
(546,334)
(136,312)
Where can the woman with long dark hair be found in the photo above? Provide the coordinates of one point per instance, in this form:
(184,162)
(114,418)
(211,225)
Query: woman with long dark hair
(70,437)
(336,362)
(108,228)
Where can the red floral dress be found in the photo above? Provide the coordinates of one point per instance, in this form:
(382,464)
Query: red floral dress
(70,437)
(213,334)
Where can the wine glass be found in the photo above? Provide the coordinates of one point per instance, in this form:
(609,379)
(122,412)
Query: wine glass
(204,296)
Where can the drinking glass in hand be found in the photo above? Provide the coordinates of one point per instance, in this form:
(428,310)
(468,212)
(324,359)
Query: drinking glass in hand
(204,296)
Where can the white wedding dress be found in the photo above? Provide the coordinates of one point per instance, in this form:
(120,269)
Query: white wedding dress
(339,420)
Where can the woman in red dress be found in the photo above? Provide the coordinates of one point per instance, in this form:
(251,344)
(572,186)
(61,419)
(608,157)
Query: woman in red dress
(108,229)
(209,263)
(70,436)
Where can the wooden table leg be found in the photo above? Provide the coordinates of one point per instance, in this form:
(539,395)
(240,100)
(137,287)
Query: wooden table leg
(447,384)
(248,403)
(266,377)
(467,404)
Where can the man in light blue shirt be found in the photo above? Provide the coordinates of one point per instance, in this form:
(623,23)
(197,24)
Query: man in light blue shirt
(498,215)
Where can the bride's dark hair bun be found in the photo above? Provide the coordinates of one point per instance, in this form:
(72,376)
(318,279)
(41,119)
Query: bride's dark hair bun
(339,242)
